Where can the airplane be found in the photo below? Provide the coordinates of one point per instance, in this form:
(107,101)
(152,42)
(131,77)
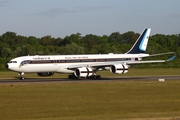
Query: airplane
(85,65)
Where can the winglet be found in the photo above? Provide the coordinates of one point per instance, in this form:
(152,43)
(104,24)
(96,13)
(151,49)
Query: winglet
(141,43)
(171,59)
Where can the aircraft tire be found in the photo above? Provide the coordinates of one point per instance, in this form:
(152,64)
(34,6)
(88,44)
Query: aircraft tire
(98,77)
(22,78)
(72,77)
(95,77)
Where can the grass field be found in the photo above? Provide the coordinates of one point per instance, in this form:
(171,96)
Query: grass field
(123,100)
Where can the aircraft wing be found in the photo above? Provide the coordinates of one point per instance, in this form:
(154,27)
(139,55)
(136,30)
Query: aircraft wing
(108,64)
(160,54)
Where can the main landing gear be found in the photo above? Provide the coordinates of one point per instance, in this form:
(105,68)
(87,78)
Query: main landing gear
(21,76)
(72,76)
(95,77)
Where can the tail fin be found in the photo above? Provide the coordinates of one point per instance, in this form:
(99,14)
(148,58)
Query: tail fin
(141,43)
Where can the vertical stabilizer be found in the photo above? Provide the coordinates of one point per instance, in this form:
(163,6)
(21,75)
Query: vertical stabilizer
(141,43)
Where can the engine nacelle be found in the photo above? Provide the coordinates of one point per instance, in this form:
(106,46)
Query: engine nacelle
(119,69)
(83,72)
(45,74)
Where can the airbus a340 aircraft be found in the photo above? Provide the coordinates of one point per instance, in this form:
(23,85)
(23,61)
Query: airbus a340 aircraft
(87,65)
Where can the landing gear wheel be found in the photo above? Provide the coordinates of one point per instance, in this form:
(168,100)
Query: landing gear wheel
(21,78)
(98,77)
(95,77)
(72,76)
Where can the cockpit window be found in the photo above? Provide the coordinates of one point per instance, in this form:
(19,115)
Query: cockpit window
(13,62)
(25,62)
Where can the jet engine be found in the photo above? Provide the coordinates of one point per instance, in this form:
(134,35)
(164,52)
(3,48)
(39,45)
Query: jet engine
(45,74)
(119,69)
(83,72)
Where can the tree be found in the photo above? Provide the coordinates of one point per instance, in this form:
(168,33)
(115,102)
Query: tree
(20,40)
(130,37)
(65,41)
(9,38)
(46,40)
(46,51)
(73,48)
(176,46)
(17,52)
(6,52)
(13,45)
(90,41)
(57,41)
(28,50)
(32,41)
(76,38)
(159,43)
(115,37)
(51,49)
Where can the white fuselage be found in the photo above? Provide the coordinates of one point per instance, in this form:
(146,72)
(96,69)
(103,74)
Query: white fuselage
(61,63)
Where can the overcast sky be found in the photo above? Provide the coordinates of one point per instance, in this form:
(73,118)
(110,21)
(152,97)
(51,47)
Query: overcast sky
(60,18)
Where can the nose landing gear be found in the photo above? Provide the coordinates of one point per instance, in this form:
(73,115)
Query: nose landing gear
(21,76)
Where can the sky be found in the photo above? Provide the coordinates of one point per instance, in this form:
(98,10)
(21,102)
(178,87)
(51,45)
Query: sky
(60,18)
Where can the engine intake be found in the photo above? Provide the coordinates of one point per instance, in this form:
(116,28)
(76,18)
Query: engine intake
(45,74)
(83,72)
(119,69)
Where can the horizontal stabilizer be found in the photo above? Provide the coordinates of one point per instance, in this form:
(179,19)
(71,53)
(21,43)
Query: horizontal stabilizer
(167,53)
(171,59)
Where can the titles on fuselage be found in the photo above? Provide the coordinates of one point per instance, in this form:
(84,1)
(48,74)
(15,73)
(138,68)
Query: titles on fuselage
(76,57)
(69,57)
(41,58)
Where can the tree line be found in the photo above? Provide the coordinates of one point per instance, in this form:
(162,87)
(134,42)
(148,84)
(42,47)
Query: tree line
(13,45)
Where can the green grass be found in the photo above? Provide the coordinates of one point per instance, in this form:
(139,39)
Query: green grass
(91,101)
(123,100)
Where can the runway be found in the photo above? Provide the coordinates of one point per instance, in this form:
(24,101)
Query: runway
(103,79)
